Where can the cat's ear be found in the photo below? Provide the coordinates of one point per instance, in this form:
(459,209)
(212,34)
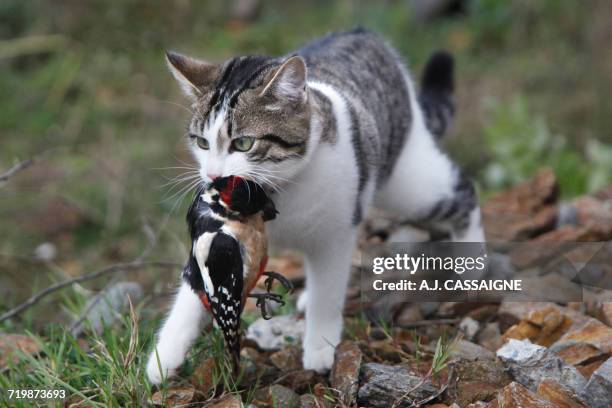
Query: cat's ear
(194,76)
(288,82)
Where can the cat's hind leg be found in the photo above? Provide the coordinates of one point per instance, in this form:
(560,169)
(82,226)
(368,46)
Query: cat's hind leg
(429,190)
(181,328)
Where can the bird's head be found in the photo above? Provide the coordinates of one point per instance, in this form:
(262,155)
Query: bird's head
(242,196)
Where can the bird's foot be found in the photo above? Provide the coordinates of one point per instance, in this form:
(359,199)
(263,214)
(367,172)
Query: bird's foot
(283,281)
(261,302)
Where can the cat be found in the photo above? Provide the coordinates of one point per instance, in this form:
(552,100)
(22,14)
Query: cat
(329,131)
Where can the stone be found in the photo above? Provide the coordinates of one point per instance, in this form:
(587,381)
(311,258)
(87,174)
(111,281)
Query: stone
(345,371)
(300,381)
(173,397)
(469,327)
(467,350)
(203,377)
(490,337)
(229,401)
(598,391)
(559,395)
(384,385)
(409,314)
(10,343)
(280,396)
(529,364)
(313,401)
(477,381)
(594,213)
(523,211)
(514,395)
(586,342)
(108,306)
(606,313)
(287,359)
(542,326)
(277,332)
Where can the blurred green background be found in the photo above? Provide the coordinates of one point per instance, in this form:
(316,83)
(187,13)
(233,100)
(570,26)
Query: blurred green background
(87,81)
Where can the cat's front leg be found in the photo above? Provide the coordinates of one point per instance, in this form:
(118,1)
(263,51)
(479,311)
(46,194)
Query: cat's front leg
(327,272)
(183,325)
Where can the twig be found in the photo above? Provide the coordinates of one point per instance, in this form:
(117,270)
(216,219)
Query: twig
(126,267)
(22,165)
(152,238)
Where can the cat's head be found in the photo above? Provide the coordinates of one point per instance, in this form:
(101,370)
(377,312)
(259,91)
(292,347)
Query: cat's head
(251,116)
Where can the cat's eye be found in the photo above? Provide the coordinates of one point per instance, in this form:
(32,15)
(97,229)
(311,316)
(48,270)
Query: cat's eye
(243,144)
(202,143)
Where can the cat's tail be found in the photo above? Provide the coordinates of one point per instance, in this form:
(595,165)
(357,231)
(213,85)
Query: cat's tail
(437,93)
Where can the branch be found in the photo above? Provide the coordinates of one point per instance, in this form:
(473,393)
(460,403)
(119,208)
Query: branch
(127,267)
(22,165)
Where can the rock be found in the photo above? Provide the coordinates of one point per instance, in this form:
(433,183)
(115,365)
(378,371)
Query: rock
(203,377)
(477,380)
(482,404)
(586,342)
(490,337)
(229,401)
(280,396)
(345,371)
(559,395)
(469,327)
(516,396)
(542,326)
(408,314)
(10,343)
(484,312)
(300,380)
(598,391)
(313,401)
(382,386)
(173,397)
(108,306)
(529,364)
(46,252)
(594,214)
(287,359)
(523,211)
(567,214)
(606,313)
(587,369)
(467,350)
(277,332)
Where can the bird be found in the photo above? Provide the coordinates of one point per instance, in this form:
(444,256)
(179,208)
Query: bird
(229,247)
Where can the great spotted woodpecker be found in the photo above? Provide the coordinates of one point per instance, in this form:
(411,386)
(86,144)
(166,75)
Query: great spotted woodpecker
(229,252)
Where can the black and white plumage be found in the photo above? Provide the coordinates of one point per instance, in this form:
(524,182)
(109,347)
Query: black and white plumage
(229,249)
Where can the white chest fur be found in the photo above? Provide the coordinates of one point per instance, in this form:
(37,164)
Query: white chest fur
(320,200)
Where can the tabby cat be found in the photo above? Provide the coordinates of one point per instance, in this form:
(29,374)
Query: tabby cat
(328,130)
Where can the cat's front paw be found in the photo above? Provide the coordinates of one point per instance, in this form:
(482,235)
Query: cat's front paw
(155,373)
(319,359)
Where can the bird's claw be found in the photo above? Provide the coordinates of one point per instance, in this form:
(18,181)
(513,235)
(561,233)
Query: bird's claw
(261,302)
(283,281)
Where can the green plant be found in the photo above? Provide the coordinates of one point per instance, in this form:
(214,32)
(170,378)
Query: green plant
(520,142)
